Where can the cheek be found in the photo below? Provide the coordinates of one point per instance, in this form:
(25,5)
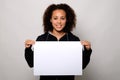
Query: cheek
(64,22)
(53,21)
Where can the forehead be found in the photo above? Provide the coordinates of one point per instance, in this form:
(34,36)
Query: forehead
(59,11)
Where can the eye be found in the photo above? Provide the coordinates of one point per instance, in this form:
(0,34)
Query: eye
(55,18)
(63,18)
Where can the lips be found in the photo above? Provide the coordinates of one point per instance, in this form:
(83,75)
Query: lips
(58,26)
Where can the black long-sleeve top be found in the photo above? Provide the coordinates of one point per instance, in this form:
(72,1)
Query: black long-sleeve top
(49,37)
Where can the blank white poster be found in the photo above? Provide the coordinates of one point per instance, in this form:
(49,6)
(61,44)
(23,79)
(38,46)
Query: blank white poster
(58,58)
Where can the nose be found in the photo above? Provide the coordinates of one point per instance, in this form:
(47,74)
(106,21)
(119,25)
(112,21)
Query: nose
(59,21)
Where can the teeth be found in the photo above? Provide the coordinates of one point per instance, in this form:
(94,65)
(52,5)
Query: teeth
(58,25)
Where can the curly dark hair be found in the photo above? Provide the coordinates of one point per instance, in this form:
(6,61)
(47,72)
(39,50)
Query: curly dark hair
(70,17)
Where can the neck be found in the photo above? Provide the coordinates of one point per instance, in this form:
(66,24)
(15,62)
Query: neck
(57,34)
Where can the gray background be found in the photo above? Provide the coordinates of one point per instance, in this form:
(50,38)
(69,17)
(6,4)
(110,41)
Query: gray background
(98,21)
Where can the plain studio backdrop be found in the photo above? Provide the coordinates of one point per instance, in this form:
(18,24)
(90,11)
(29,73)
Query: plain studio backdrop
(98,21)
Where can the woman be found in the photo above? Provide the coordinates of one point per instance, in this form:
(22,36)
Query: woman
(58,21)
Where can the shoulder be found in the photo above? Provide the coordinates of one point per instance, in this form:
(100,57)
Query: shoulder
(73,37)
(42,37)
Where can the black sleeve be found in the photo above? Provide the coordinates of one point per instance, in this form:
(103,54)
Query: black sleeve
(86,53)
(29,56)
(86,57)
(29,53)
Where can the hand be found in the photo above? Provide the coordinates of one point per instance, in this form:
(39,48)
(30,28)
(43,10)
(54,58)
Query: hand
(28,43)
(86,44)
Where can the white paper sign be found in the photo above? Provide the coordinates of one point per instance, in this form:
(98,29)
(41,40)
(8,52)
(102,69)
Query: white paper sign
(58,58)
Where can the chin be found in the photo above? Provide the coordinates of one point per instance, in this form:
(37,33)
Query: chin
(59,29)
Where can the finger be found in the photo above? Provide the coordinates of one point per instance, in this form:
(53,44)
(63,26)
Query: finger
(27,45)
(85,43)
(29,42)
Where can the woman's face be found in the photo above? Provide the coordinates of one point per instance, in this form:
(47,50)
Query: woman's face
(58,20)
